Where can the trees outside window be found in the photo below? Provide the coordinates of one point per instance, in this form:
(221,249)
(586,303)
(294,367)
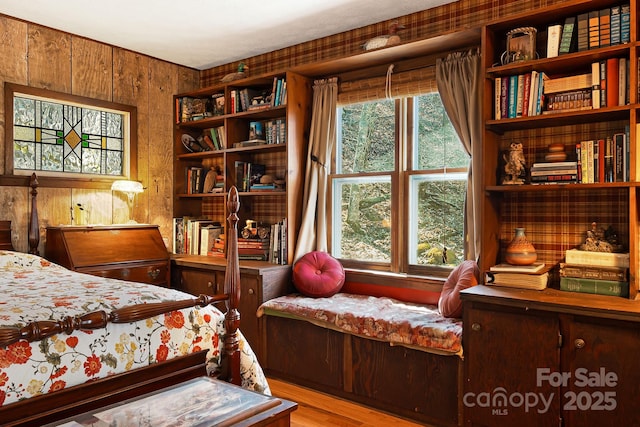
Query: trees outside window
(398,187)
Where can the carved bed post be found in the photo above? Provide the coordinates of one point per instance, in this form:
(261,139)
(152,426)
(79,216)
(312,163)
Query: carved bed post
(34,228)
(232,288)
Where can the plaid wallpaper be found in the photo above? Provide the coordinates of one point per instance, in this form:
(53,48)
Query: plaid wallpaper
(448,18)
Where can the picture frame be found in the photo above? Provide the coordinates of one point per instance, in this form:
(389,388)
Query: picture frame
(521,45)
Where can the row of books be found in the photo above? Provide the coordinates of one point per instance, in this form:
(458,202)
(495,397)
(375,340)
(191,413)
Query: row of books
(190,108)
(535,93)
(199,180)
(604,160)
(603,273)
(591,30)
(598,161)
(258,98)
(265,132)
(249,177)
(271,248)
(195,236)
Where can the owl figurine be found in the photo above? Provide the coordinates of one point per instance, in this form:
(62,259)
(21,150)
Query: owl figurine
(515,167)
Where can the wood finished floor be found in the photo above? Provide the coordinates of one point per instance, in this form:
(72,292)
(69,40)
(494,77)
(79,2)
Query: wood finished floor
(321,410)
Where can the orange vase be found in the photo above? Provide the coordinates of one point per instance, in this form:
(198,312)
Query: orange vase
(520,251)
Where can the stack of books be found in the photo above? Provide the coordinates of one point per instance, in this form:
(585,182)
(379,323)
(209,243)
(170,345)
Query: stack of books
(602,273)
(534,276)
(554,173)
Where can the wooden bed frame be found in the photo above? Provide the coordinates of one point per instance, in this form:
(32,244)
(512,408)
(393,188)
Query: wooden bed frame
(94,394)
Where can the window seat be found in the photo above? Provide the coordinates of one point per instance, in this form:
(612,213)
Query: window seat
(380,345)
(418,326)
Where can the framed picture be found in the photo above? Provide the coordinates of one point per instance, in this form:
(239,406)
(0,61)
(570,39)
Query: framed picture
(521,45)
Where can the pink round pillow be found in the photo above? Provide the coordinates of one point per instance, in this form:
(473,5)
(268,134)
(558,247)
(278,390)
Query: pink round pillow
(464,276)
(318,274)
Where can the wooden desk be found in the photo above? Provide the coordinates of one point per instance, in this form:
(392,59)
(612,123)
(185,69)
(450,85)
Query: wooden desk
(128,252)
(202,401)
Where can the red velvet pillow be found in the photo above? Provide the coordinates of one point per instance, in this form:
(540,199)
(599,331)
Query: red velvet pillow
(462,277)
(318,274)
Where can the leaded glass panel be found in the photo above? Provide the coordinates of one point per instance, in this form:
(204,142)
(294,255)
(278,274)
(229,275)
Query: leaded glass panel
(60,137)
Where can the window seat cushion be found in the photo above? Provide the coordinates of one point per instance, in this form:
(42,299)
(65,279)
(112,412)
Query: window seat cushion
(419,326)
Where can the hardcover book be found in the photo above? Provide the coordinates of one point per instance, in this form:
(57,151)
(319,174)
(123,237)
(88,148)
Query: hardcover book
(620,274)
(583,31)
(604,259)
(553,40)
(569,36)
(517,280)
(605,27)
(594,286)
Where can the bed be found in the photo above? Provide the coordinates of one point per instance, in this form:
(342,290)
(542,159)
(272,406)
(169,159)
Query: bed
(71,342)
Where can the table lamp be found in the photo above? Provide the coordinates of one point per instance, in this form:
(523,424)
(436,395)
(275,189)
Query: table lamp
(130,188)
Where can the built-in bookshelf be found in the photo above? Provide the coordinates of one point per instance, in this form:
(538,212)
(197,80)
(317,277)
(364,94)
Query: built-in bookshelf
(251,134)
(574,101)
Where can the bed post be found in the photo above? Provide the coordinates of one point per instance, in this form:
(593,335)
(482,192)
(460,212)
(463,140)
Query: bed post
(34,227)
(231,361)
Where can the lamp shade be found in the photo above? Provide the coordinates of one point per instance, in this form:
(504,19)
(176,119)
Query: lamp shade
(127,186)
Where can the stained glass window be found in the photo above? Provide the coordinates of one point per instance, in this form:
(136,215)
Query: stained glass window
(61,137)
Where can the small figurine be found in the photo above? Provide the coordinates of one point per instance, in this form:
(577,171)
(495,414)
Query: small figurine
(600,240)
(387,40)
(514,168)
(242,68)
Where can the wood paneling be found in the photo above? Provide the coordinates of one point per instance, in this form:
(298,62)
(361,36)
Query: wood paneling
(49,59)
(42,57)
(13,51)
(91,69)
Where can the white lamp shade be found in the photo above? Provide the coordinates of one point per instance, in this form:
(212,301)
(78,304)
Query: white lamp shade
(127,186)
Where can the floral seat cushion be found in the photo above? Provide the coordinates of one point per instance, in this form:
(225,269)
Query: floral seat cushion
(418,326)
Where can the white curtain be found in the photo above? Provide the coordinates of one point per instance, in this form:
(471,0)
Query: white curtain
(313,228)
(459,81)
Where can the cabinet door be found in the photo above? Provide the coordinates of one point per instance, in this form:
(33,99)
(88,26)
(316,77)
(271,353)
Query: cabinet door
(196,282)
(602,358)
(250,299)
(504,351)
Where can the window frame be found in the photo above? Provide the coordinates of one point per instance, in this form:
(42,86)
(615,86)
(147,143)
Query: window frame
(72,180)
(400,188)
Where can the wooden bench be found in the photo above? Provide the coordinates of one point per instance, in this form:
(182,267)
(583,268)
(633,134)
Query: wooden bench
(347,355)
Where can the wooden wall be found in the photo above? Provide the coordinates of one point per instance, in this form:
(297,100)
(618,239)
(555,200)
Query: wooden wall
(42,57)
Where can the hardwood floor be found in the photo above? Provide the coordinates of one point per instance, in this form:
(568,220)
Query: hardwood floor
(317,409)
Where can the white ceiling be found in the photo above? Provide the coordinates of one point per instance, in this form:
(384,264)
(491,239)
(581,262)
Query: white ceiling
(206,33)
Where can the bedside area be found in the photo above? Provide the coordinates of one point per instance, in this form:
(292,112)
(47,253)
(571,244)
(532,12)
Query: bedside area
(133,252)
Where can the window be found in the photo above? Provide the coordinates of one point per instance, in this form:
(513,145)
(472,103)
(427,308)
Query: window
(398,187)
(60,135)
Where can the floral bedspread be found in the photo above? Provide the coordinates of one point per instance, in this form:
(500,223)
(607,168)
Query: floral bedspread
(33,289)
(386,319)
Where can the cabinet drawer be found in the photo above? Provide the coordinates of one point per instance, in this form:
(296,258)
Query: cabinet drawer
(155,274)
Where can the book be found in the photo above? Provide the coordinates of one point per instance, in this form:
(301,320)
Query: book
(594,29)
(208,235)
(517,280)
(553,40)
(625,23)
(569,83)
(569,36)
(590,272)
(510,268)
(583,31)
(520,96)
(615,24)
(497,91)
(604,259)
(612,82)
(605,27)
(595,286)
(622,81)
(619,157)
(595,85)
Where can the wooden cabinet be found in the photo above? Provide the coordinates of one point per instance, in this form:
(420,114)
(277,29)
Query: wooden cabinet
(556,217)
(259,282)
(283,156)
(549,358)
(128,252)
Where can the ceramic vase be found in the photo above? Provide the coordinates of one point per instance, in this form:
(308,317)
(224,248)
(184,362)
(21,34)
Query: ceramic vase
(520,251)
